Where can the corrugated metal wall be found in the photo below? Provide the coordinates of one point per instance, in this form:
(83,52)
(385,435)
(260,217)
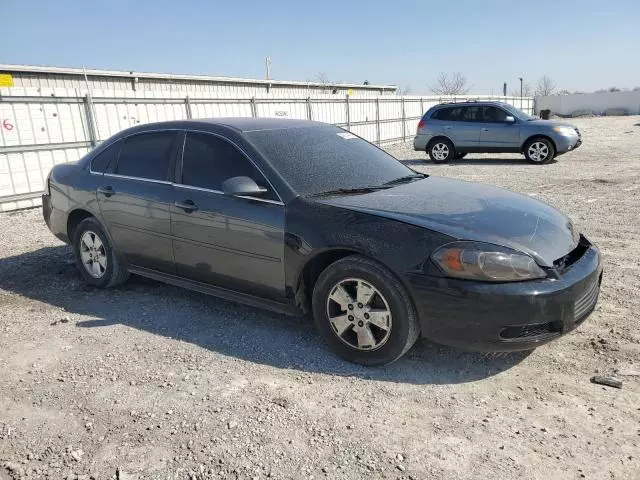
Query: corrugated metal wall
(41,127)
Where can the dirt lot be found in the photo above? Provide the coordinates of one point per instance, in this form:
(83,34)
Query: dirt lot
(150,381)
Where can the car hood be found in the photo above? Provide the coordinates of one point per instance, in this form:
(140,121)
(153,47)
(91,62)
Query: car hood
(548,123)
(472,211)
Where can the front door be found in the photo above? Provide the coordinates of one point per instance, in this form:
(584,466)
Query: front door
(232,242)
(135,199)
(496,133)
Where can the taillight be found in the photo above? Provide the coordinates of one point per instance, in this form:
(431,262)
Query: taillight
(420,123)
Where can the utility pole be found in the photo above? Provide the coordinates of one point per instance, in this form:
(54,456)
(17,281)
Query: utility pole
(267,67)
(521,88)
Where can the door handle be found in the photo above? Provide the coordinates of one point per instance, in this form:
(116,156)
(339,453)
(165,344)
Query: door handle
(106,191)
(485,129)
(447,127)
(188,206)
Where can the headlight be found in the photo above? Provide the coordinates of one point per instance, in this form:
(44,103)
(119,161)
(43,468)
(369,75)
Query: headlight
(486,262)
(565,131)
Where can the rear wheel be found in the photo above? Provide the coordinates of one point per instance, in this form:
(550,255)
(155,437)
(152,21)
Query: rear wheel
(96,259)
(539,151)
(363,312)
(441,150)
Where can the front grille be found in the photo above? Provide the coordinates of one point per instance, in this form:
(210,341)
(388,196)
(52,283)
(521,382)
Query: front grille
(583,305)
(534,330)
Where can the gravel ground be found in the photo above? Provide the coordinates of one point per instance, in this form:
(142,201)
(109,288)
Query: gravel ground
(149,381)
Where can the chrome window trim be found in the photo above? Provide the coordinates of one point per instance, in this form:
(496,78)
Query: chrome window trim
(218,192)
(127,177)
(187,130)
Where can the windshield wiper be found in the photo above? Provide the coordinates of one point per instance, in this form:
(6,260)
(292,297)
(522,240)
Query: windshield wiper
(406,178)
(341,191)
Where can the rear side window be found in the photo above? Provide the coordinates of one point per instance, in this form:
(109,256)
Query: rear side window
(451,114)
(209,160)
(109,156)
(147,155)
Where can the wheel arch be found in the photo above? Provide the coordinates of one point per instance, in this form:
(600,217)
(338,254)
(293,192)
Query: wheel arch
(314,266)
(439,137)
(538,135)
(73,220)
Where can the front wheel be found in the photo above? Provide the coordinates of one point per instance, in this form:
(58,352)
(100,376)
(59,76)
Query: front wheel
(539,151)
(441,151)
(363,312)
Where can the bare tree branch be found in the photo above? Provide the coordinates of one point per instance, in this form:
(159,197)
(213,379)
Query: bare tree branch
(545,87)
(527,91)
(456,84)
(405,91)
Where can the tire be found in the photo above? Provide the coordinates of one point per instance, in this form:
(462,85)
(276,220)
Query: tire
(441,150)
(460,155)
(391,302)
(539,151)
(91,243)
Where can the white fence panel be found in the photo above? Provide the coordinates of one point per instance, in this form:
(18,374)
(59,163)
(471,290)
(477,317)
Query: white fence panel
(42,127)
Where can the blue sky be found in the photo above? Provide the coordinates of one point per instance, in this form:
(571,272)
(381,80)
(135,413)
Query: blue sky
(580,44)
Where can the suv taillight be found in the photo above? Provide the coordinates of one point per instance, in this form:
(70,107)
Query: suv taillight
(421,123)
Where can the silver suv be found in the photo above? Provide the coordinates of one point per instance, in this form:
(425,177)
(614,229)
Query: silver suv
(452,130)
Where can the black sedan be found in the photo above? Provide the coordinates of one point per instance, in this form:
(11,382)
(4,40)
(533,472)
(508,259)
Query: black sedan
(306,218)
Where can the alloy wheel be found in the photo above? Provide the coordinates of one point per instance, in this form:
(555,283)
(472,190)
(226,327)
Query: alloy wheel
(440,151)
(93,254)
(538,151)
(359,314)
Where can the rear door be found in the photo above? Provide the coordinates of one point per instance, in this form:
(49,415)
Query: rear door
(229,241)
(495,133)
(467,128)
(135,197)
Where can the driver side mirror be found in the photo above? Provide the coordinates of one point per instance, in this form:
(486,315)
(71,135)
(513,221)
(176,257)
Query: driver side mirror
(509,119)
(242,186)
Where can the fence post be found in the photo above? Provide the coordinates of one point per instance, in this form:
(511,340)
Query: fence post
(91,121)
(404,122)
(378,121)
(421,106)
(254,110)
(187,107)
(347,111)
(309,114)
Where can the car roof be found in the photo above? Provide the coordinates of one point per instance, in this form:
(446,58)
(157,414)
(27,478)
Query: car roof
(239,124)
(471,103)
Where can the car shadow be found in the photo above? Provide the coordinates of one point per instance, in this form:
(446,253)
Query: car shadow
(470,161)
(49,275)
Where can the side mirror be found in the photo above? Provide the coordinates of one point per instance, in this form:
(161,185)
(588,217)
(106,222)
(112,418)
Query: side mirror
(509,119)
(242,186)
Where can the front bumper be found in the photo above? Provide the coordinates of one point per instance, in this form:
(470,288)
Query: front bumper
(507,316)
(566,144)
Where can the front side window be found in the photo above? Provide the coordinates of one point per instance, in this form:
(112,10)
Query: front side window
(147,155)
(109,156)
(493,115)
(209,160)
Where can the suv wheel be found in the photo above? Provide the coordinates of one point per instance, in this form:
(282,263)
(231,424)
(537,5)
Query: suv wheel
(97,260)
(363,312)
(441,151)
(539,151)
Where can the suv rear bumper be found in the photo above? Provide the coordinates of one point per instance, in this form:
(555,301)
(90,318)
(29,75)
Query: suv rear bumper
(420,142)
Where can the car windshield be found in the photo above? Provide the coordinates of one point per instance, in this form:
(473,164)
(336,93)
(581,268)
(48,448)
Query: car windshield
(519,114)
(319,159)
